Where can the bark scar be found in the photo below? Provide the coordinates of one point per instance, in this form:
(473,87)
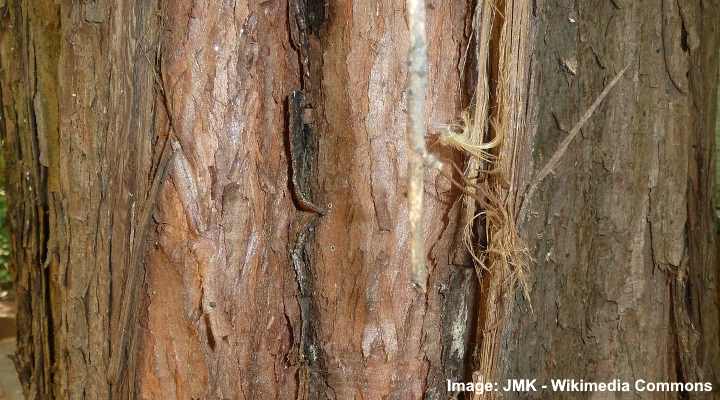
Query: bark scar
(303,151)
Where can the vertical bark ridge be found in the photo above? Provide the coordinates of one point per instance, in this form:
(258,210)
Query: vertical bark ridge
(220,294)
(380,337)
(698,285)
(26,58)
(92,64)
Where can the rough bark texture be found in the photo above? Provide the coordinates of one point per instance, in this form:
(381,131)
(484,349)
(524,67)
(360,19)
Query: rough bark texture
(228,291)
(163,248)
(380,335)
(345,321)
(78,117)
(624,283)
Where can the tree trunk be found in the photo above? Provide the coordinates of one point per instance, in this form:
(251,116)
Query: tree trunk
(625,273)
(208,199)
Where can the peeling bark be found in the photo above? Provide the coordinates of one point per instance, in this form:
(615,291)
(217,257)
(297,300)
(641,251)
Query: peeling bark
(209,199)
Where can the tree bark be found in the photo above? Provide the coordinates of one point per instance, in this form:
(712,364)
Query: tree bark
(182,227)
(79,118)
(624,283)
(203,300)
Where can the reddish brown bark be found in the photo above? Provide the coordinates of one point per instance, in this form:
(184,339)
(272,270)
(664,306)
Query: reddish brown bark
(223,318)
(209,279)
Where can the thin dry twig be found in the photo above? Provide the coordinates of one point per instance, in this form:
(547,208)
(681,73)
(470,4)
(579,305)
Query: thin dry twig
(555,159)
(417,84)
